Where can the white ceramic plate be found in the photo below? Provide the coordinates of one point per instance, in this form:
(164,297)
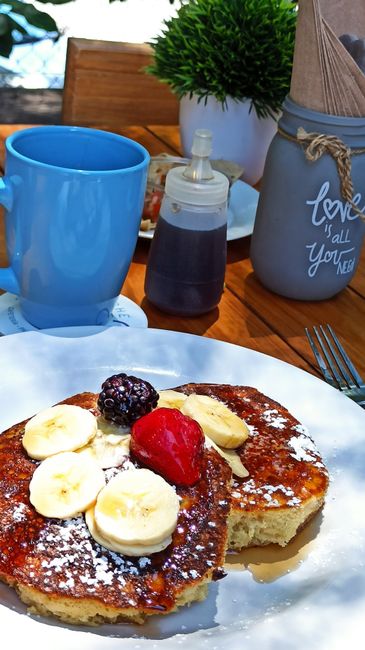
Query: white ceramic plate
(311,594)
(242,207)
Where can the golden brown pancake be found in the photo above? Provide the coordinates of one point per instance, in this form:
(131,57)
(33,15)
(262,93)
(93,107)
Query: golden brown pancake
(57,568)
(287,479)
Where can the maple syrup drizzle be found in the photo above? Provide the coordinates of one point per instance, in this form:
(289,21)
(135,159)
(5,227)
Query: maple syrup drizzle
(268,563)
(60,557)
(153,584)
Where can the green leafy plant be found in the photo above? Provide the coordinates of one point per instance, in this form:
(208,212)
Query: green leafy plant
(17,19)
(237,48)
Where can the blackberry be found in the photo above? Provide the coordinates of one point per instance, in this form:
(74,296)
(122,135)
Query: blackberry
(124,398)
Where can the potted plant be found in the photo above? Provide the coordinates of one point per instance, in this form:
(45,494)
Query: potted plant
(229,62)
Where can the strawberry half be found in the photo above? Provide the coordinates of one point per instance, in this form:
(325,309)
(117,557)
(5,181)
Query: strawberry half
(170,443)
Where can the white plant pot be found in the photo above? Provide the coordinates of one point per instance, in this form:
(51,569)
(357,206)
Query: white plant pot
(238,134)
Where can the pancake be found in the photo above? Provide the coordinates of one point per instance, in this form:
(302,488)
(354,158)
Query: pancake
(58,569)
(287,480)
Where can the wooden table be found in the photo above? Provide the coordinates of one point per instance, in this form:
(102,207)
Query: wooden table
(248,314)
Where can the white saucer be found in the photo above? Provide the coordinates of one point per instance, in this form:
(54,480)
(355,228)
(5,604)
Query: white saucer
(125,314)
(242,212)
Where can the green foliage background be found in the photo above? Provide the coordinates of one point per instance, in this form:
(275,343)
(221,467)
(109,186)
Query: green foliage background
(9,21)
(237,48)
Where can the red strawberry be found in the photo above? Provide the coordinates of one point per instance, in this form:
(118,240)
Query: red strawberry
(169,443)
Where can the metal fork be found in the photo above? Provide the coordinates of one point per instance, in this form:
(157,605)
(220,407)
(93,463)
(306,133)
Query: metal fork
(335,364)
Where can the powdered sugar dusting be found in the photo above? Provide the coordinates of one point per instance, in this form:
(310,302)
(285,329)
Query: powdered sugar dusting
(300,428)
(65,557)
(272,417)
(295,501)
(304,448)
(113,471)
(267,491)
(67,542)
(20,512)
(252,429)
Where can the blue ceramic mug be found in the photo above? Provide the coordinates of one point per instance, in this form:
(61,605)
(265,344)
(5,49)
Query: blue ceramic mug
(73,200)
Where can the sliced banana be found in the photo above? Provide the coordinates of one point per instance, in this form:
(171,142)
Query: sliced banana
(231,457)
(107,427)
(137,507)
(171,399)
(107,449)
(66,484)
(59,428)
(136,550)
(218,422)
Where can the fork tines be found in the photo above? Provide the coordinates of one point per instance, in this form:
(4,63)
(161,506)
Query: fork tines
(335,364)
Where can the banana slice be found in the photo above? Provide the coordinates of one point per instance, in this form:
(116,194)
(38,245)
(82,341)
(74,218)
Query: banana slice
(218,422)
(231,457)
(107,449)
(171,399)
(138,550)
(137,507)
(64,485)
(57,429)
(107,426)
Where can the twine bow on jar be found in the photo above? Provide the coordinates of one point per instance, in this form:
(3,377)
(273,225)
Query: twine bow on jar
(317,144)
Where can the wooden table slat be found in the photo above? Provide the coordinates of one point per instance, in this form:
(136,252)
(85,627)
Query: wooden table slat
(169,137)
(288,318)
(231,321)
(248,314)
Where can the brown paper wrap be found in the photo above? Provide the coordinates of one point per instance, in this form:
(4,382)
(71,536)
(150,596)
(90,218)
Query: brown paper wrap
(325,77)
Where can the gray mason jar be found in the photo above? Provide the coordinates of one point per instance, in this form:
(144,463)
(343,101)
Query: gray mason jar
(307,238)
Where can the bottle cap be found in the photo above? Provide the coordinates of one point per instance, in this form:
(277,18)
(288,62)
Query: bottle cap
(202,143)
(197,183)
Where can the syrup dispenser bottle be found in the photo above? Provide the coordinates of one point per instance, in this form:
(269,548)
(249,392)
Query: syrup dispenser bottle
(187,260)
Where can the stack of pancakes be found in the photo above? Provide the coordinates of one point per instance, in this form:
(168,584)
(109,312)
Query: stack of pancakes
(287,479)
(58,569)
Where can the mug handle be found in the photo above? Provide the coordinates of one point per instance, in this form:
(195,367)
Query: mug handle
(8,279)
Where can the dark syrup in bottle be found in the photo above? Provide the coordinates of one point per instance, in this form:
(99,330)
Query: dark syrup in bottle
(187,260)
(186,268)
